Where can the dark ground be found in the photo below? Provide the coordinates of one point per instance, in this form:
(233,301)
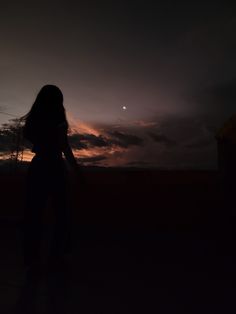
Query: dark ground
(160,242)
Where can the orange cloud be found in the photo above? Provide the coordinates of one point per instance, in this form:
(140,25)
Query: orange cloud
(78,126)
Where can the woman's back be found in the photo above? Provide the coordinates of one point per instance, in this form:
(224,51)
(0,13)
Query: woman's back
(47,138)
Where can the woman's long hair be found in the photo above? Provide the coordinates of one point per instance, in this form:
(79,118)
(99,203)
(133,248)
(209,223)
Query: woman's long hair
(46,112)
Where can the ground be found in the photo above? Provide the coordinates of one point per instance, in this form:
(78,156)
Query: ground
(175,256)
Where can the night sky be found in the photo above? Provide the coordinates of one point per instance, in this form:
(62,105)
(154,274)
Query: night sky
(172,65)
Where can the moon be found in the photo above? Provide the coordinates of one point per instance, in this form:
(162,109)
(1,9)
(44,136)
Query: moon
(124,107)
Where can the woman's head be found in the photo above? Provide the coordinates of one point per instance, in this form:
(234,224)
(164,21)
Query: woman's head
(50,94)
(48,106)
(47,112)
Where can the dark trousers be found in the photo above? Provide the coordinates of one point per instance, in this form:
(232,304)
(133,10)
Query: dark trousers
(46,178)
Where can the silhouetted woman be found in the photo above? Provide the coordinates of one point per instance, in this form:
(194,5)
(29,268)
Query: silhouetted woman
(46,128)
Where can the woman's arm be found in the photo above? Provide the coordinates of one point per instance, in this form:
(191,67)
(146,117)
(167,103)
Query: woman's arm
(73,163)
(69,155)
(67,151)
(63,143)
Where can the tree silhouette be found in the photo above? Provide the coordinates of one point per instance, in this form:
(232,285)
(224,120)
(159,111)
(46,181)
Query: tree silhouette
(12,143)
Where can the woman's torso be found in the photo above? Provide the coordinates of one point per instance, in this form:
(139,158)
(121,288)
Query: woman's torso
(48,162)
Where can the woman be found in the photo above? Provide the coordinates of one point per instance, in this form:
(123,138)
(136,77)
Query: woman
(46,128)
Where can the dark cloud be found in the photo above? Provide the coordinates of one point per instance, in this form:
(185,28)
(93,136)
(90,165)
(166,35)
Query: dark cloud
(181,130)
(92,159)
(80,141)
(162,139)
(217,101)
(212,129)
(85,141)
(201,143)
(124,139)
(224,93)
(75,141)
(95,141)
